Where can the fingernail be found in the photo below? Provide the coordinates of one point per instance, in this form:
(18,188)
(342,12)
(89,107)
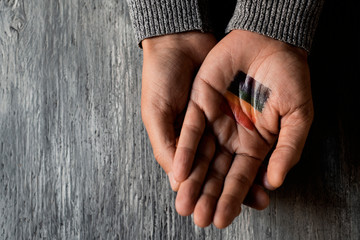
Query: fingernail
(174,184)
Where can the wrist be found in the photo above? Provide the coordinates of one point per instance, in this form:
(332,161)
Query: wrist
(261,41)
(193,43)
(254,47)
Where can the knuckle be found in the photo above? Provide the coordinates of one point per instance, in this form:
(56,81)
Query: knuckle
(305,112)
(216,175)
(241,179)
(192,128)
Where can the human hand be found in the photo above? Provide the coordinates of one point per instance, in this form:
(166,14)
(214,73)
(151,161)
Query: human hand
(169,66)
(276,105)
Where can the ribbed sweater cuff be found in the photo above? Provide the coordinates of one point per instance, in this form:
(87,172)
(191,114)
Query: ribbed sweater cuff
(159,17)
(291,21)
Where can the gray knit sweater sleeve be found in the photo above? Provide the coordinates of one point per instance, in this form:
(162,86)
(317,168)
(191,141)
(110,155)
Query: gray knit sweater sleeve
(159,17)
(291,21)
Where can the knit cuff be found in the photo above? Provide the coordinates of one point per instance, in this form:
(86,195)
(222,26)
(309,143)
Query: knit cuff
(291,21)
(159,17)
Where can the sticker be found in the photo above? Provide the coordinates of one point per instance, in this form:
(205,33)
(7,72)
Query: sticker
(245,96)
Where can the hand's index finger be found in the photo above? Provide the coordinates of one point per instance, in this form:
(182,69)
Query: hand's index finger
(191,133)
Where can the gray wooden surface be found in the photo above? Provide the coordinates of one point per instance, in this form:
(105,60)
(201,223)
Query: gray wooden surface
(75,160)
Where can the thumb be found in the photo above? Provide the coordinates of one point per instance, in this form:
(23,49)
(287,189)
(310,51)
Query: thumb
(292,137)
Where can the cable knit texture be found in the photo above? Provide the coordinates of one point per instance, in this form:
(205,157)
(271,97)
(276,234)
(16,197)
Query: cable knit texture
(159,17)
(291,21)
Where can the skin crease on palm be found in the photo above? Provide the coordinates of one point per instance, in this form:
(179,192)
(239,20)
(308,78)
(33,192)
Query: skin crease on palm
(169,67)
(213,188)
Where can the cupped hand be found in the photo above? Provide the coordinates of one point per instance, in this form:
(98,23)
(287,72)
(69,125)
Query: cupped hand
(170,64)
(274,104)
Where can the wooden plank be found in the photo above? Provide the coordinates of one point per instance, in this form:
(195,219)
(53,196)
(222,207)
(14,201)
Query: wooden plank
(75,160)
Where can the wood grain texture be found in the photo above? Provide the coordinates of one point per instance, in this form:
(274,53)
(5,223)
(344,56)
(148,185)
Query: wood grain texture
(75,160)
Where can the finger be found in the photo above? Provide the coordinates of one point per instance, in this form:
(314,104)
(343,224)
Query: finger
(191,132)
(205,208)
(175,185)
(237,184)
(257,198)
(206,205)
(292,137)
(261,178)
(190,189)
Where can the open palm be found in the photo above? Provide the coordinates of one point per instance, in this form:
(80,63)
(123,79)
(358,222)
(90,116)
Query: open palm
(275,104)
